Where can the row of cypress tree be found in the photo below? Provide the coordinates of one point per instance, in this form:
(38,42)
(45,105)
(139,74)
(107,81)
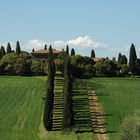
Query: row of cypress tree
(9,50)
(68,116)
(49,99)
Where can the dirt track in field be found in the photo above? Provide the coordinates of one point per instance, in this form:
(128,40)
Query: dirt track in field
(97,116)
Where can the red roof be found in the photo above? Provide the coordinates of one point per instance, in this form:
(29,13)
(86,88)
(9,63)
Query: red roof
(46,51)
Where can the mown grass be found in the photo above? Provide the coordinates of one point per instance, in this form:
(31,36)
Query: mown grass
(21,108)
(120,97)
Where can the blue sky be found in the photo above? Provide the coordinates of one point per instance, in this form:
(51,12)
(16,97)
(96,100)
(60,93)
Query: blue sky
(108,26)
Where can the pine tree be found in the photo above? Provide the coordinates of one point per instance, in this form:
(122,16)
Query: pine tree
(92,54)
(72,52)
(132,59)
(18,51)
(68,116)
(49,99)
(45,48)
(2,51)
(9,48)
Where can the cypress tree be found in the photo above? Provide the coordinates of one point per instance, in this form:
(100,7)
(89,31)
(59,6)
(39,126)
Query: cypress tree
(68,116)
(67,50)
(119,58)
(9,48)
(49,99)
(2,51)
(72,52)
(45,48)
(18,50)
(92,54)
(132,59)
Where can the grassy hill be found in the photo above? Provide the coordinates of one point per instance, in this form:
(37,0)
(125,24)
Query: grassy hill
(120,97)
(21,107)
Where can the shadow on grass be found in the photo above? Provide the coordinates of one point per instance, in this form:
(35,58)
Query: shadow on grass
(82,121)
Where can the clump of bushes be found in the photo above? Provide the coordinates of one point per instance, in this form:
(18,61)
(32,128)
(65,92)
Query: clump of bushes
(130,128)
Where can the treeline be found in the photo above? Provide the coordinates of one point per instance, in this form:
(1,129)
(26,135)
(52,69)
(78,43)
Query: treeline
(18,62)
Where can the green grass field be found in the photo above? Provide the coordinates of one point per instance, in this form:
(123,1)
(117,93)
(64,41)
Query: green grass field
(21,107)
(120,97)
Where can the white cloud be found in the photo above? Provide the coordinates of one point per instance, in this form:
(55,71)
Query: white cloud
(86,42)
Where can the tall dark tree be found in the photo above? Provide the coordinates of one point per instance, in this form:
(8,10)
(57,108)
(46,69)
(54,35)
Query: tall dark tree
(2,51)
(49,99)
(123,59)
(119,58)
(45,48)
(9,48)
(67,50)
(72,52)
(68,116)
(33,50)
(132,59)
(92,54)
(18,50)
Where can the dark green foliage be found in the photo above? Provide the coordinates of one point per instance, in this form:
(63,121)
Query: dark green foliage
(2,51)
(18,50)
(119,58)
(13,64)
(106,67)
(45,48)
(67,50)
(9,48)
(92,54)
(68,117)
(49,99)
(82,66)
(138,66)
(132,59)
(61,55)
(72,52)
(38,68)
(122,59)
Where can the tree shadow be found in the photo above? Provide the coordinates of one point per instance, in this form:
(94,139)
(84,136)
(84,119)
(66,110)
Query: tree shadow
(82,120)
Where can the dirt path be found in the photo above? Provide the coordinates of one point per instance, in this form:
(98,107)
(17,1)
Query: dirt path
(97,116)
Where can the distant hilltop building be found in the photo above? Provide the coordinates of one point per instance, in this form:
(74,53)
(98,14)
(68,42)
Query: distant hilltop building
(96,59)
(42,55)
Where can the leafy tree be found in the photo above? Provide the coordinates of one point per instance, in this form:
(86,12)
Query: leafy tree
(45,48)
(132,59)
(106,67)
(124,69)
(61,55)
(92,54)
(138,66)
(72,52)
(18,50)
(49,99)
(9,48)
(37,68)
(123,59)
(23,64)
(2,51)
